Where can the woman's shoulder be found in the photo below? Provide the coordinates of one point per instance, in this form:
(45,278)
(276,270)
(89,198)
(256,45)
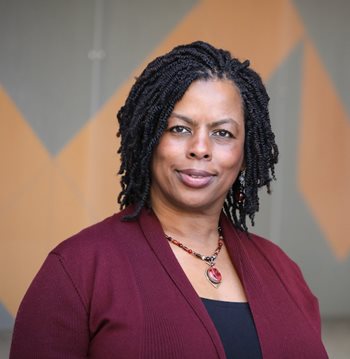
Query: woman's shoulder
(89,256)
(291,276)
(263,253)
(99,237)
(268,248)
(275,255)
(285,268)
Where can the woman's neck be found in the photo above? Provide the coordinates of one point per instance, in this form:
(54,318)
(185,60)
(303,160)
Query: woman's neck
(198,228)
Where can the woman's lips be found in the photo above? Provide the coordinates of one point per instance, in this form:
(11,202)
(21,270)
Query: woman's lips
(195,178)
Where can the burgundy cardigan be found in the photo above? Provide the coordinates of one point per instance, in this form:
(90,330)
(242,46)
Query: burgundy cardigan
(115,290)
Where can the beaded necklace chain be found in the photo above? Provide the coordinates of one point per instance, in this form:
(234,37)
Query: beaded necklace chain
(212,274)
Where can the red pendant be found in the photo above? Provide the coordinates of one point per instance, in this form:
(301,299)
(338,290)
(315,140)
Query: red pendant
(214,276)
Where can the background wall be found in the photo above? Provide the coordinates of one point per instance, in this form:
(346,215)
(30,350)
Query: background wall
(65,69)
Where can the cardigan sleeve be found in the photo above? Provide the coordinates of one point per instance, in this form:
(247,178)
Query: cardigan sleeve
(52,320)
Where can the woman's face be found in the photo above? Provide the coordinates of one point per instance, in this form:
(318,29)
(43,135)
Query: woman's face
(201,152)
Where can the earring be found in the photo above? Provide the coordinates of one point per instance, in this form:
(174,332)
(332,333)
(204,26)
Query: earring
(240,196)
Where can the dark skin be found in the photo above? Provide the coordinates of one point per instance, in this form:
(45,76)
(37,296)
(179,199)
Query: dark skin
(197,160)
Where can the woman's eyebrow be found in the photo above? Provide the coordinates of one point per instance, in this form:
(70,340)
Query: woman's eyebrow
(183,118)
(212,124)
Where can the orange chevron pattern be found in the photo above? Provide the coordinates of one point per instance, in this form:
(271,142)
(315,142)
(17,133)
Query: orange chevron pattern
(45,206)
(43,199)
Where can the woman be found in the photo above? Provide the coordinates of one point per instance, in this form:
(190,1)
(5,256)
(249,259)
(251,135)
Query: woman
(176,274)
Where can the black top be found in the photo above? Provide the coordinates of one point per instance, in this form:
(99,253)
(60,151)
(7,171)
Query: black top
(235,325)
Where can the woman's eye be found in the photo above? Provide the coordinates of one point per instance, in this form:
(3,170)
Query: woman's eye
(179,129)
(223,133)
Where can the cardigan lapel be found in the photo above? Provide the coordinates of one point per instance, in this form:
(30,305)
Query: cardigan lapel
(155,236)
(277,317)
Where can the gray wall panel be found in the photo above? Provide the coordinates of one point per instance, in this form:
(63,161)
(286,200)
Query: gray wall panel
(45,67)
(130,31)
(6,320)
(327,23)
(51,63)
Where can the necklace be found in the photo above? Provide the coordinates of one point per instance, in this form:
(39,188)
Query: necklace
(212,274)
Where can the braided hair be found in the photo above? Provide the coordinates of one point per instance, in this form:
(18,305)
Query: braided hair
(144,116)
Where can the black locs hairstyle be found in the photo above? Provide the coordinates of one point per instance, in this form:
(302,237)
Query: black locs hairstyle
(144,116)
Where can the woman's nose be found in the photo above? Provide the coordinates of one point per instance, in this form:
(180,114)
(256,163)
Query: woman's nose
(200,147)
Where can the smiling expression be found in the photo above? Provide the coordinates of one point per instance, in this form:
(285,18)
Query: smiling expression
(201,152)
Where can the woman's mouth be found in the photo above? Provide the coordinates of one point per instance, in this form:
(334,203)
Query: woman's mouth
(195,178)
